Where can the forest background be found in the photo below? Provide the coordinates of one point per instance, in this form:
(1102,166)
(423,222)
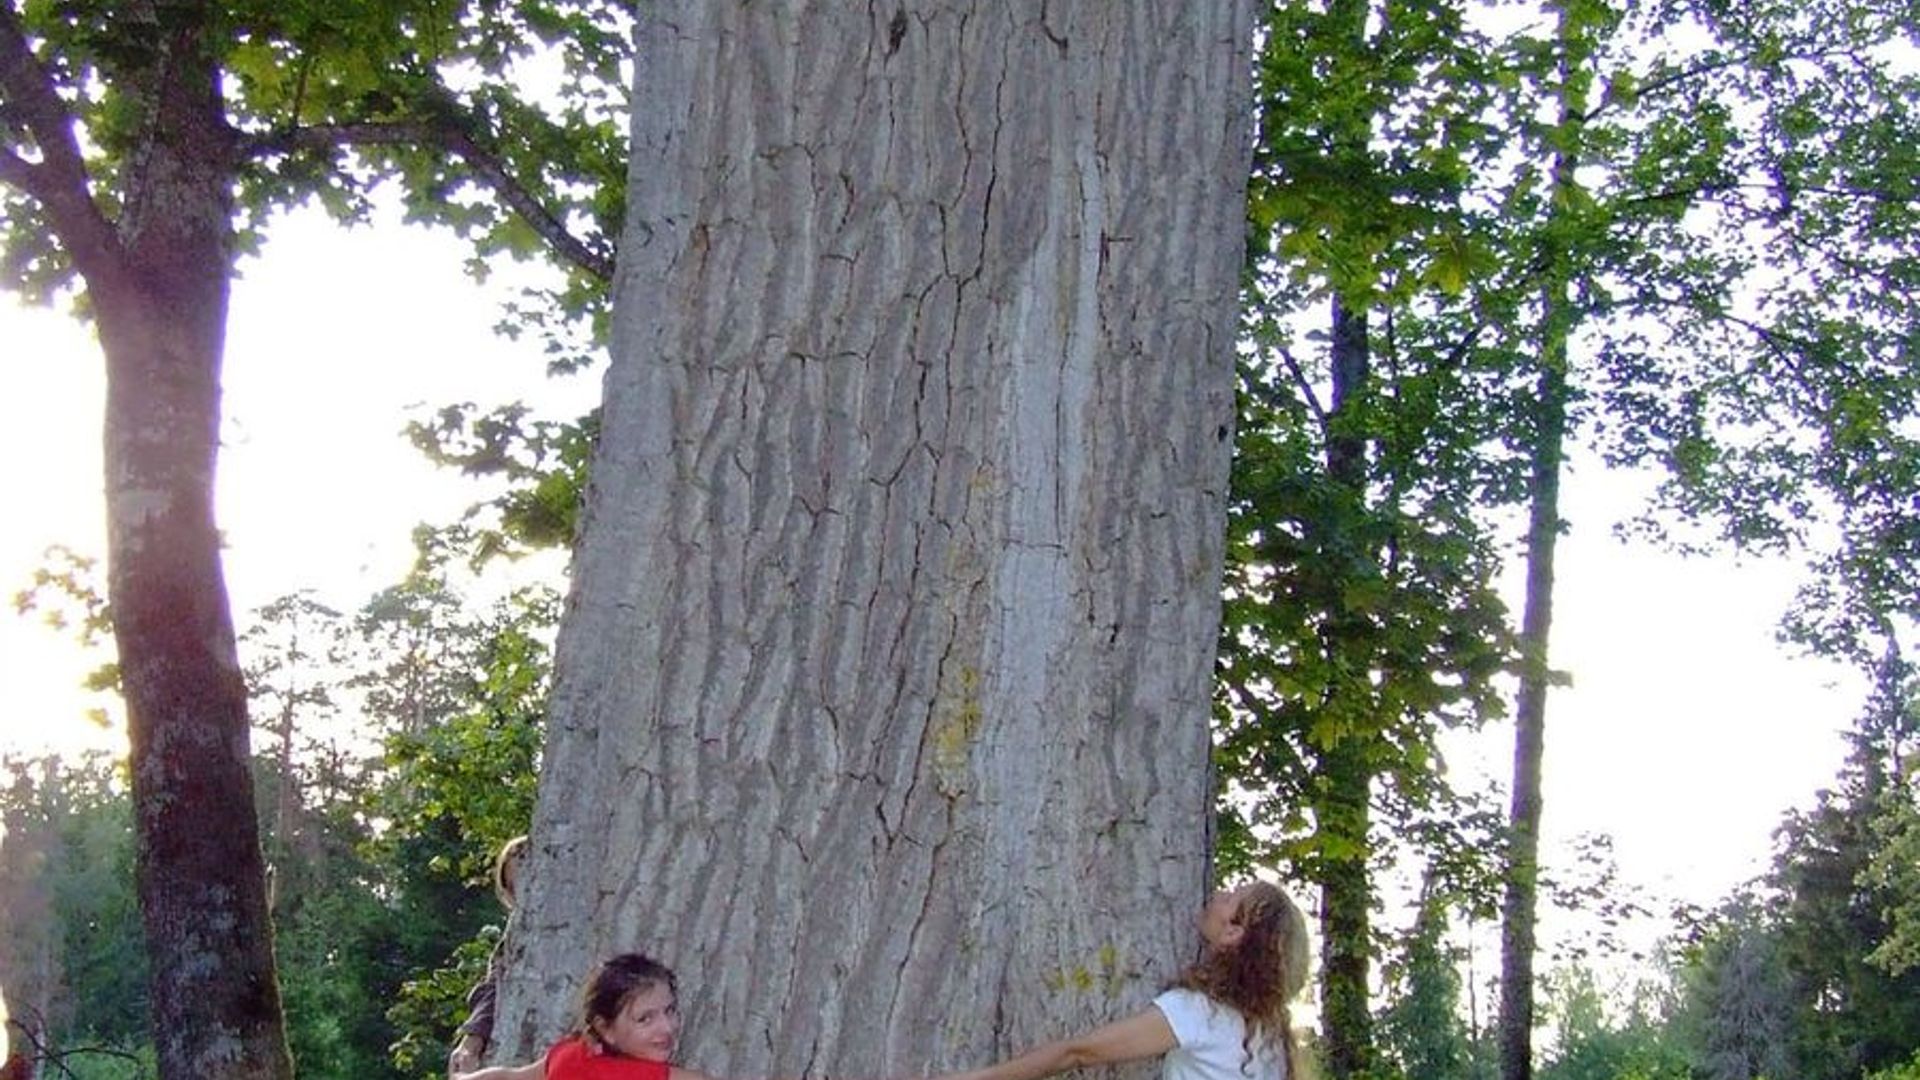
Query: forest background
(416,758)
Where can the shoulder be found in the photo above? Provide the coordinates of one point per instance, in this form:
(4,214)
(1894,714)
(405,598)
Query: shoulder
(1197,1019)
(1182,1005)
(570,1059)
(565,1051)
(1181,997)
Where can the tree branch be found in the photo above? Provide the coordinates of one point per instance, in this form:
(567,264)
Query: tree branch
(1782,192)
(1809,51)
(1457,356)
(1656,87)
(487,168)
(1788,348)
(16,172)
(59,182)
(1303,384)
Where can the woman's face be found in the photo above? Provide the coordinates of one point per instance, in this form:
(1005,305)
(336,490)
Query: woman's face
(1217,926)
(645,1027)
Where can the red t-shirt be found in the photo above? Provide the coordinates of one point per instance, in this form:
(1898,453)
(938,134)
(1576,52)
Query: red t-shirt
(572,1059)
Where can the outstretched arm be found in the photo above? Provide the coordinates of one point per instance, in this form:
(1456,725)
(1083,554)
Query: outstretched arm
(1145,1034)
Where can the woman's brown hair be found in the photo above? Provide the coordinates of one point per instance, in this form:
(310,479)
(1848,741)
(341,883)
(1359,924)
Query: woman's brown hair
(1263,972)
(614,983)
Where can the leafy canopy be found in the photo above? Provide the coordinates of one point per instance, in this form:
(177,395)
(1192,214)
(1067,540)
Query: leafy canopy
(503,121)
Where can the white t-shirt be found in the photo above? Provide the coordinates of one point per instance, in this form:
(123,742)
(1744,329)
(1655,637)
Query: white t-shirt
(1211,1037)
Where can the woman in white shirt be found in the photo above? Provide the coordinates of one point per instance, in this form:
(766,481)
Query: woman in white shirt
(1224,1018)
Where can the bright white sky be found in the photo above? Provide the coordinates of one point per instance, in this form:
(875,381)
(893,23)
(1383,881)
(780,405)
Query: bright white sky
(336,339)
(1686,733)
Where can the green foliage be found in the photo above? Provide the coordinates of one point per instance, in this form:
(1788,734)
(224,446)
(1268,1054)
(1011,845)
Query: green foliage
(100,917)
(1738,996)
(1359,612)
(379,861)
(290,639)
(420,1010)
(463,698)
(1654,217)
(103,1063)
(1420,645)
(1749,284)
(337,966)
(379,865)
(1591,1045)
(68,595)
(504,122)
(1588,881)
(1360,618)
(67,867)
(1908,1070)
(1853,1015)
(143,148)
(1666,233)
(1894,871)
(544,463)
(1420,1029)
(1370,119)
(1780,981)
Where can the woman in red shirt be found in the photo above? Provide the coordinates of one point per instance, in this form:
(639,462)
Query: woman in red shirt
(629,1017)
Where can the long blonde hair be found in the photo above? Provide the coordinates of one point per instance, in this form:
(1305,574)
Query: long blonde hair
(1261,974)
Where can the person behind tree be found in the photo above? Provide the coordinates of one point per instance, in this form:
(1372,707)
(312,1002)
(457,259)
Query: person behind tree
(1224,1018)
(629,1020)
(475,1034)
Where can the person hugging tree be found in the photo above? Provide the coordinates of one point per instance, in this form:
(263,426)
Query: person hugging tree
(1224,1018)
(475,1034)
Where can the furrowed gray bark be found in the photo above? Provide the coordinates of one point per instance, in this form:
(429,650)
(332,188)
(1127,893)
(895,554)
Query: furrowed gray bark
(882,700)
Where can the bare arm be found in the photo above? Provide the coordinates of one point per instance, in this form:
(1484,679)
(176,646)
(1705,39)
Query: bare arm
(1145,1034)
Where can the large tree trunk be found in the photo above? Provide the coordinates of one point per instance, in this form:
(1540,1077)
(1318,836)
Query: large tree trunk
(161,307)
(881,708)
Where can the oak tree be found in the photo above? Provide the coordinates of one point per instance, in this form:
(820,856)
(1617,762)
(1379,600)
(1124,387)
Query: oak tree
(880,705)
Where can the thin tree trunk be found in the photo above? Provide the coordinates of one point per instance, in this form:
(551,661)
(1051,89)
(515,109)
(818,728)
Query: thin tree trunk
(1521,898)
(1549,424)
(286,793)
(1344,768)
(881,704)
(1346,912)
